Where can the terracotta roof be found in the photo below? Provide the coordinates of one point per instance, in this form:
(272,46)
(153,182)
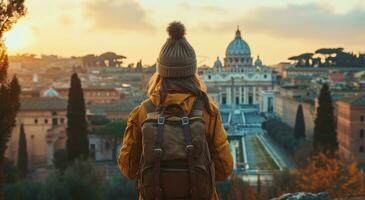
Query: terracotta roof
(43,103)
(124,105)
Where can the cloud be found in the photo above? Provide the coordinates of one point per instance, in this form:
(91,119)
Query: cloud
(65,20)
(117,15)
(213,9)
(307,21)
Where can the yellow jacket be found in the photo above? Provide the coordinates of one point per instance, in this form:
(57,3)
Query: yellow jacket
(131,149)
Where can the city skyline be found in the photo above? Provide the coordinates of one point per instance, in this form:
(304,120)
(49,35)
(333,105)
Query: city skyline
(136,29)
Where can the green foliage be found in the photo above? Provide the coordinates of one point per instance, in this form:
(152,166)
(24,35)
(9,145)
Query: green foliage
(80,181)
(285,137)
(299,129)
(23,190)
(112,133)
(281,133)
(325,136)
(9,107)
(77,139)
(55,188)
(22,154)
(334,57)
(121,188)
(60,160)
(11,172)
(10,12)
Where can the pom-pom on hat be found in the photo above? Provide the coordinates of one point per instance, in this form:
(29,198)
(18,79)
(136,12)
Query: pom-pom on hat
(177,58)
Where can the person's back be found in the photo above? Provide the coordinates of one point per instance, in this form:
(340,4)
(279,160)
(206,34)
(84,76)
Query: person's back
(175,83)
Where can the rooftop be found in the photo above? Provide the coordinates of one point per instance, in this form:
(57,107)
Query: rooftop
(43,104)
(357,100)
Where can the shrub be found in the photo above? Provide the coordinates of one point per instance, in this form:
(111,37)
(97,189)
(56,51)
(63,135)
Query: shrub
(121,188)
(23,190)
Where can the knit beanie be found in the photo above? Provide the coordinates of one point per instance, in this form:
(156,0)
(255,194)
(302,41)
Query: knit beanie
(177,58)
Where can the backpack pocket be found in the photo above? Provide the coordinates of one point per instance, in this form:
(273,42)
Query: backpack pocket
(203,183)
(175,183)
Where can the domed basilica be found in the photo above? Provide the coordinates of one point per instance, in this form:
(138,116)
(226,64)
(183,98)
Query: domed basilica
(238,81)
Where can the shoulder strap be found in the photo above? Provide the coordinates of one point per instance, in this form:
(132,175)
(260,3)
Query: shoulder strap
(149,106)
(198,107)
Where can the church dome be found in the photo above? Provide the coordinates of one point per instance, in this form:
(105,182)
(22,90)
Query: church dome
(217,63)
(258,61)
(50,93)
(238,46)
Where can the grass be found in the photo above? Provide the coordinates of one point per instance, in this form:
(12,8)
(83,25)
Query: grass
(263,159)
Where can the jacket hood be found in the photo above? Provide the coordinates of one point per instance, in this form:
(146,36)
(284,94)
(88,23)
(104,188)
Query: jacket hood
(186,100)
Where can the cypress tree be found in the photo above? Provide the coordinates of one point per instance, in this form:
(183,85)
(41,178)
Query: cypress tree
(324,136)
(299,129)
(22,154)
(10,12)
(77,140)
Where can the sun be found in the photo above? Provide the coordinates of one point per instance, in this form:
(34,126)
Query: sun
(18,37)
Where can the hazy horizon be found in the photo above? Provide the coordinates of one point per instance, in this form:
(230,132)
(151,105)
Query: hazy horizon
(136,29)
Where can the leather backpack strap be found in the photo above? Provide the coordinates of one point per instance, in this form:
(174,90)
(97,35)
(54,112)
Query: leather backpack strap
(158,154)
(149,106)
(197,109)
(190,150)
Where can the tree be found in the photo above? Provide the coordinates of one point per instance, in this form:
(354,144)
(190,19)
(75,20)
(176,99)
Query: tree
(60,160)
(22,154)
(323,173)
(299,129)
(77,140)
(11,175)
(10,12)
(324,136)
(112,133)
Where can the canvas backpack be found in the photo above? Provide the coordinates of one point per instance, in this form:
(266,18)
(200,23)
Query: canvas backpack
(175,161)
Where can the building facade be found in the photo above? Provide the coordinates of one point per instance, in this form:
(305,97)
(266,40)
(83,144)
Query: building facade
(351,129)
(239,81)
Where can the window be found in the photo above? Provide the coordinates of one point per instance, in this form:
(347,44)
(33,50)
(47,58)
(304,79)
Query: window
(361,149)
(62,120)
(54,113)
(265,76)
(362,133)
(35,121)
(54,121)
(224,99)
(362,118)
(46,121)
(209,77)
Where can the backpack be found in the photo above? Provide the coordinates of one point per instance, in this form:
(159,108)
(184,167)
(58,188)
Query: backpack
(175,161)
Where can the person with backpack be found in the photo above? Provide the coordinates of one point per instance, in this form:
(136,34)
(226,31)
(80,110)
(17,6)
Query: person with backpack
(175,144)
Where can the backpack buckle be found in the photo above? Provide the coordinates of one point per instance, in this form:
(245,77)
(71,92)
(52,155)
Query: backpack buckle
(161,120)
(189,147)
(185,120)
(158,152)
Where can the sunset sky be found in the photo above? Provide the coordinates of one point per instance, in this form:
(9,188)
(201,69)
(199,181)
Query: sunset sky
(274,29)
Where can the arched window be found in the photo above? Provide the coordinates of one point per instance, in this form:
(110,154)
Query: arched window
(362,118)
(362,133)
